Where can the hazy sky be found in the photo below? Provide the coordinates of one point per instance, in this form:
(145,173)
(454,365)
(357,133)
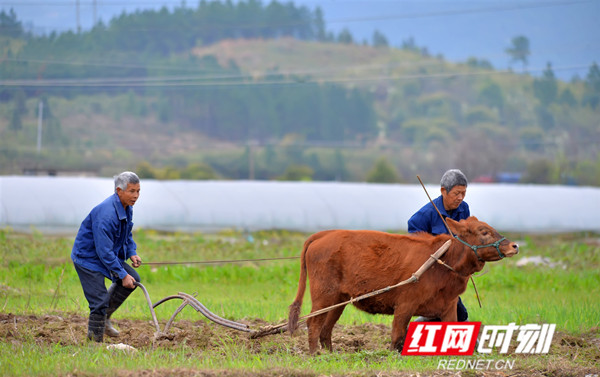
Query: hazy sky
(565,33)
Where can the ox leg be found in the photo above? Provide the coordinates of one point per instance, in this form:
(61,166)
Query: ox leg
(450,314)
(399,327)
(327,330)
(315,326)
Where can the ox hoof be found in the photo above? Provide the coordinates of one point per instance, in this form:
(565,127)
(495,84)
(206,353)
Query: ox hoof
(397,347)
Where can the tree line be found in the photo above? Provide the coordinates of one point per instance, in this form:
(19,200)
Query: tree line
(164,32)
(134,50)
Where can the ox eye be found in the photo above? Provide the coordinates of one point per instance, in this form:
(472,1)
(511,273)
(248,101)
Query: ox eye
(484,233)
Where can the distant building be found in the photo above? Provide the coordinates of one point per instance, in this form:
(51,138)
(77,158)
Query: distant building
(51,172)
(503,177)
(507,177)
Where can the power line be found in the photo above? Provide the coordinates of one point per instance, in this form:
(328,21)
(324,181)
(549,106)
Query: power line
(495,8)
(520,5)
(571,48)
(89,2)
(443,13)
(460,11)
(203,81)
(392,145)
(314,71)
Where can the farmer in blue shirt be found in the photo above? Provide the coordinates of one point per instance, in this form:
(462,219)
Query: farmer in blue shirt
(103,244)
(450,204)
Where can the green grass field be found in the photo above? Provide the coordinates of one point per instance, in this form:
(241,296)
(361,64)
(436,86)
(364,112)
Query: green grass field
(37,279)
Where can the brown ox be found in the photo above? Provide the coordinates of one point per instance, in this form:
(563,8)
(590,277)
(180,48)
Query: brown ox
(342,264)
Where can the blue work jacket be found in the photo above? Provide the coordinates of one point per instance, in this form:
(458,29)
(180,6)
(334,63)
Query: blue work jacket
(104,241)
(427,219)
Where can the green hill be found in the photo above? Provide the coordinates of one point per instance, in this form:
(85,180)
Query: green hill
(285,108)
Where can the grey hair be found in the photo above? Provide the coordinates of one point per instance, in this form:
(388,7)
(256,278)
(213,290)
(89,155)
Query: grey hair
(453,177)
(125,178)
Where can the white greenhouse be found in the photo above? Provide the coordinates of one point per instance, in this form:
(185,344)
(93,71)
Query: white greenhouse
(59,204)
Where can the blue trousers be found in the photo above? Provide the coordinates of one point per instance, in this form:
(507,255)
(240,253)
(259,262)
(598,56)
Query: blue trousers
(461,312)
(95,290)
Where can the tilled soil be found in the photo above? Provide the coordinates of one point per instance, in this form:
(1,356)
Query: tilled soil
(570,355)
(71,329)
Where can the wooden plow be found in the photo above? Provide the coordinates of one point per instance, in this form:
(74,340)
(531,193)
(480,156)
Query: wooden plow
(274,329)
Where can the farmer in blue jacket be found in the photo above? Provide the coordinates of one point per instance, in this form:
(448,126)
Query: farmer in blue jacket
(451,204)
(103,244)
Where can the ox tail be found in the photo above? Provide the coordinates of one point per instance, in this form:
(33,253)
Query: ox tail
(297,304)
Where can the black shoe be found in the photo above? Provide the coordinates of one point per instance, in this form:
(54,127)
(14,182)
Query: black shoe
(96,325)
(110,330)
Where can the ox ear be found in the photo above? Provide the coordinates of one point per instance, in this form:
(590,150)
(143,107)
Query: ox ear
(456,227)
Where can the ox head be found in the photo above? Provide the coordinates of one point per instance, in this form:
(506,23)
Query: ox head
(487,244)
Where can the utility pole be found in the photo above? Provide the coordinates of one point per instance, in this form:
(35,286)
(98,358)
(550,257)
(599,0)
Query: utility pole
(252,144)
(95,13)
(39,133)
(77,16)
